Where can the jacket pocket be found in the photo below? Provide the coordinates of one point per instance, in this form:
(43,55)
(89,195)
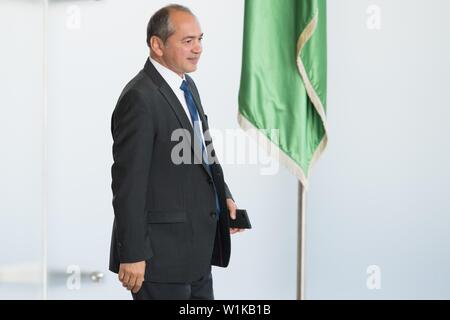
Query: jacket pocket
(169,233)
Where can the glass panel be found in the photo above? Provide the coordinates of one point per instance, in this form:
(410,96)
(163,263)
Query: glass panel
(21,161)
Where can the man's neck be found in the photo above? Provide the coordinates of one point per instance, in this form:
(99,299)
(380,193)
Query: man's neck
(165,65)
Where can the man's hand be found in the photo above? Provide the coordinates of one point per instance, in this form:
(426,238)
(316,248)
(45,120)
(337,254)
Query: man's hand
(232,208)
(132,275)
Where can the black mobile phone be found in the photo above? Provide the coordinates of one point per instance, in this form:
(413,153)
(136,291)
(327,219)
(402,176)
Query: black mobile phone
(242,221)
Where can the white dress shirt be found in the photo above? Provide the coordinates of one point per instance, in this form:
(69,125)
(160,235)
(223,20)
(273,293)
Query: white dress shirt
(174,81)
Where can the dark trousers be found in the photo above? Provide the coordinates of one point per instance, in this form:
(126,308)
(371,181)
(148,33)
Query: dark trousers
(201,289)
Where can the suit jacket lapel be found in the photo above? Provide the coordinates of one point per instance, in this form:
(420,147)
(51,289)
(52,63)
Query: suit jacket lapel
(197,102)
(205,125)
(203,118)
(176,106)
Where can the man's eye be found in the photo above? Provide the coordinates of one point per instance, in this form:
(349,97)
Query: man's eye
(189,41)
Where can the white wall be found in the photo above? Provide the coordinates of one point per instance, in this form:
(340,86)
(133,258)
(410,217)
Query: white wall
(88,68)
(380,194)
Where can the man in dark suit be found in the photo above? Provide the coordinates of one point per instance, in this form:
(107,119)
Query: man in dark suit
(171,217)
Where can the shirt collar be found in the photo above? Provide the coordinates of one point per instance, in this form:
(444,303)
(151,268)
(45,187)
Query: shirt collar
(171,77)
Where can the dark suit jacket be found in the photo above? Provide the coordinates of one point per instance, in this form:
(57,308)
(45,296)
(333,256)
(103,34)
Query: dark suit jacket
(164,213)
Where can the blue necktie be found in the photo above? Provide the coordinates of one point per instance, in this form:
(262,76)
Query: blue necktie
(195,120)
(197,131)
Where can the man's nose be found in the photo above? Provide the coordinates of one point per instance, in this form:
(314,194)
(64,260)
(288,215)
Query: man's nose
(197,49)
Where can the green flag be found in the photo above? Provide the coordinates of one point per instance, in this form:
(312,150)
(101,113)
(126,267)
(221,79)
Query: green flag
(284,79)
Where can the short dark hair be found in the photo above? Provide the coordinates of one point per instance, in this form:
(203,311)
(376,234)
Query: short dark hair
(159,24)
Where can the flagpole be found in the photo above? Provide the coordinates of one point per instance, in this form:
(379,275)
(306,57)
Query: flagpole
(301,243)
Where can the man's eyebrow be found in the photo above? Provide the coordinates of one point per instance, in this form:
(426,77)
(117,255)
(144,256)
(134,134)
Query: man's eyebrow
(191,37)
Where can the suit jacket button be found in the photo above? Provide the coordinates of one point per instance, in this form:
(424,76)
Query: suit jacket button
(210,181)
(213,214)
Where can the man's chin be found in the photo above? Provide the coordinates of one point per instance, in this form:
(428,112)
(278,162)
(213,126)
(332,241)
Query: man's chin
(191,68)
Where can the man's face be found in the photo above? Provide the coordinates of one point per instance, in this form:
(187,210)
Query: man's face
(182,50)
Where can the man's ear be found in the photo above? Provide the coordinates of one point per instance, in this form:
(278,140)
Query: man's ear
(157,45)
